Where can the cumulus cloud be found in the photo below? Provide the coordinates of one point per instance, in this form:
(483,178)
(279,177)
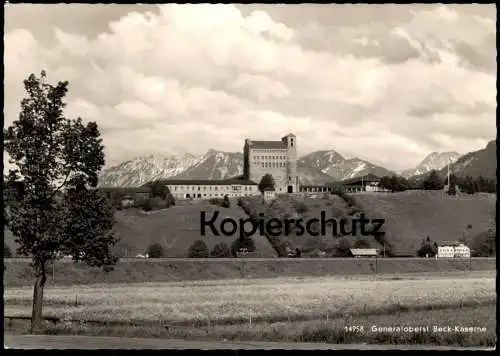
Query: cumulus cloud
(388,83)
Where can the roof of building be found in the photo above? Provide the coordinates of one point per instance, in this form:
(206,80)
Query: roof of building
(232,181)
(364,251)
(269,189)
(268,145)
(357,180)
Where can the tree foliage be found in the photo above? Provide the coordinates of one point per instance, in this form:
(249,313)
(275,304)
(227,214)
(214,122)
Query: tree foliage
(221,250)
(427,248)
(361,243)
(433,182)
(267,181)
(198,249)
(483,244)
(343,248)
(156,251)
(161,191)
(53,204)
(247,242)
(394,183)
(7,253)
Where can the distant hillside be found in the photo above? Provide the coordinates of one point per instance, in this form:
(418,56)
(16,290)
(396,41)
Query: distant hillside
(335,165)
(175,228)
(412,216)
(434,161)
(482,162)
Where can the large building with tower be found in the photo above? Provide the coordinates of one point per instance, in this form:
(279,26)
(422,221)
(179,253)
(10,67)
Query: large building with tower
(278,158)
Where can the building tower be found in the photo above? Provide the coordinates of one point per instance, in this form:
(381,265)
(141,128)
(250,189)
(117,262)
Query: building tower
(292,178)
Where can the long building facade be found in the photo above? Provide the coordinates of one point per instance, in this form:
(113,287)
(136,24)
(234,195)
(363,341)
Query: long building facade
(210,188)
(277,158)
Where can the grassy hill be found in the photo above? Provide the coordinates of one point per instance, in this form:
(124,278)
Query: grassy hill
(175,228)
(411,216)
(296,207)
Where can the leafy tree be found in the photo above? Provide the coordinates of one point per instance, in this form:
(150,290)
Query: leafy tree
(55,207)
(267,181)
(160,190)
(361,243)
(247,242)
(300,207)
(399,184)
(198,249)
(386,183)
(226,203)
(156,251)
(483,244)
(221,250)
(427,248)
(7,253)
(433,182)
(343,248)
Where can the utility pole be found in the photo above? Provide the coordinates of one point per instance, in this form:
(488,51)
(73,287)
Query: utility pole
(449,173)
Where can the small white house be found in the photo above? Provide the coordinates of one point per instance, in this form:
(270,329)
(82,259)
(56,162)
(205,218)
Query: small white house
(462,251)
(446,252)
(269,194)
(453,251)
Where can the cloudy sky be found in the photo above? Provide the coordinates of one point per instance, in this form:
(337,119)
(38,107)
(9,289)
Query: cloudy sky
(386,83)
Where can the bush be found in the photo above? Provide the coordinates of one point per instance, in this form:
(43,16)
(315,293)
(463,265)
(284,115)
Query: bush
(433,182)
(221,250)
(343,249)
(247,243)
(151,204)
(226,203)
(361,243)
(483,244)
(198,249)
(300,207)
(7,253)
(427,248)
(155,251)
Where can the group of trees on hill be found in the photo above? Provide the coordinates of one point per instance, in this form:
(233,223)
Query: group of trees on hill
(160,197)
(433,181)
(199,248)
(394,183)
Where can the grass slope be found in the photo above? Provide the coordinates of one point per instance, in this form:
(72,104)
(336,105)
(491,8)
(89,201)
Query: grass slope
(411,216)
(176,228)
(19,273)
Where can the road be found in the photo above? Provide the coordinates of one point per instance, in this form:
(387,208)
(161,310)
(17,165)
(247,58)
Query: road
(97,342)
(252,259)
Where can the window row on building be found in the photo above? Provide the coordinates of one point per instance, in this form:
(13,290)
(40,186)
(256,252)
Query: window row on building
(273,164)
(174,188)
(257,158)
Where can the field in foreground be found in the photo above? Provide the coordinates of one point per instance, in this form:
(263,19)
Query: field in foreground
(238,301)
(19,272)
(300,309)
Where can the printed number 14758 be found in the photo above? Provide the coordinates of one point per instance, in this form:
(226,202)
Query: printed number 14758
(353,329)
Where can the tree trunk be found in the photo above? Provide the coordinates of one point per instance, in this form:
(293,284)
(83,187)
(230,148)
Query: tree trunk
(36,316)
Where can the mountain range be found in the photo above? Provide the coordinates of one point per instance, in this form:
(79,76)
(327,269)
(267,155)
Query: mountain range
(482,163)
(318,167)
